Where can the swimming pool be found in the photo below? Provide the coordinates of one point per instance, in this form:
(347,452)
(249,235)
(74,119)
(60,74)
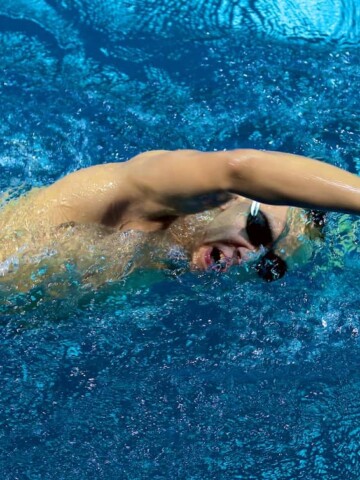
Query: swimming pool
(181,376)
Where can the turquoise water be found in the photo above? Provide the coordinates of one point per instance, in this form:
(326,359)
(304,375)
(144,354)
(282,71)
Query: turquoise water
(177,375)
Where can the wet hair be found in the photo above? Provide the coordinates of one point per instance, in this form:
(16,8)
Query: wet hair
(270,267)
(316,221)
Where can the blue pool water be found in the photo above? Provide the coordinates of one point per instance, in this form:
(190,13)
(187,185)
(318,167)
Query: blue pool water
(182,376)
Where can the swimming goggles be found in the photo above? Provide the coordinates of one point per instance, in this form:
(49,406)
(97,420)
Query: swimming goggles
(270,267)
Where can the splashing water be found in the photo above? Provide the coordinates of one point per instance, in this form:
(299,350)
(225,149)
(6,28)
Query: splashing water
(158,374)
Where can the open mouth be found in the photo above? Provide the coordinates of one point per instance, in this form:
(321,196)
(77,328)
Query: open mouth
(218,261)
(219,257)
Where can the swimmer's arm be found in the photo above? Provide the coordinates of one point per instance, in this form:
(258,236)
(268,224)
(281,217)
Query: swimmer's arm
(158,184)
(153,186)
(173,183)
(285,179)
(189,181)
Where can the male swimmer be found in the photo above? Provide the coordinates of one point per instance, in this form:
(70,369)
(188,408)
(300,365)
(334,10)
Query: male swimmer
(246,194)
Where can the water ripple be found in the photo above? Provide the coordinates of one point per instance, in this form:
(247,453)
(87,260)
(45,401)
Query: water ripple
(316,21)
(189,377)
(325,21)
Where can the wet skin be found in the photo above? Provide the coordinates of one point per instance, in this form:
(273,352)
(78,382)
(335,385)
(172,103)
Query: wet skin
(226,242)
(154,190)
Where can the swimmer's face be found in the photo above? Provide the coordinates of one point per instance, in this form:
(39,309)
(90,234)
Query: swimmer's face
(226,241)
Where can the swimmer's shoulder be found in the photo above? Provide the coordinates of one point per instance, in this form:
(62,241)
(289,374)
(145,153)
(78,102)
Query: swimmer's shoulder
(100,194)
(121,195)
(83,196)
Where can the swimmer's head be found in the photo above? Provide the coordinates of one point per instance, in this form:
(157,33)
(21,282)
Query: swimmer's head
(235,237)
(273,239)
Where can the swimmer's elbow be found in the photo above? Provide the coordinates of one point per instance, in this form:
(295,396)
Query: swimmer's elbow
(242,165)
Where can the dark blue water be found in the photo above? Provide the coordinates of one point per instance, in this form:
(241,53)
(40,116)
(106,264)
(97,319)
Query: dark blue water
(176,376)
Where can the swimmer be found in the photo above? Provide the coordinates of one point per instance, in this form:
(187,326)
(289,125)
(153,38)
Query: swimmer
(231,205)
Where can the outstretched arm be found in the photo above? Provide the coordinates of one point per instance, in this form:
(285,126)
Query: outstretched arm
(286,179)
(188,181)
(158,184)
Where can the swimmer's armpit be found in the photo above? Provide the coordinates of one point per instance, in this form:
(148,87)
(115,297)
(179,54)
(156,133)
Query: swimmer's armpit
(180,182)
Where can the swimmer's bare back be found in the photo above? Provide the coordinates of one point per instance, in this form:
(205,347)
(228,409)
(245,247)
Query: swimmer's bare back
(149,191)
